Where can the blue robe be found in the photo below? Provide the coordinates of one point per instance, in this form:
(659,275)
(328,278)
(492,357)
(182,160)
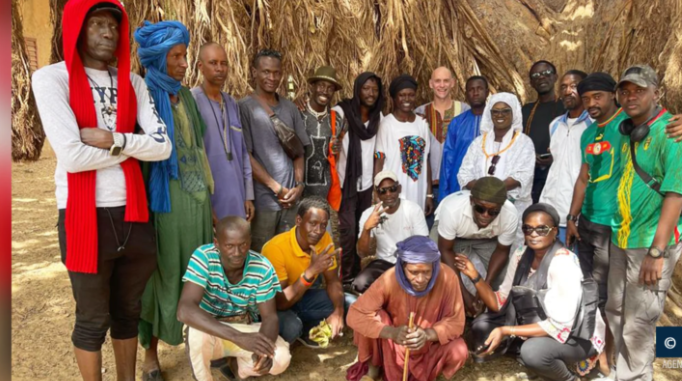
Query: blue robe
(463,129)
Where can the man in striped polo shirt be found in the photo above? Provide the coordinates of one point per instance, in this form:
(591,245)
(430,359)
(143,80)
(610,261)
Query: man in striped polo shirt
(228,307)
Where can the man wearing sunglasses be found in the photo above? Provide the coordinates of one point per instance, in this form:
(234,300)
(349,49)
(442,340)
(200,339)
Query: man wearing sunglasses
(388,222)
(481,224)
(537,116)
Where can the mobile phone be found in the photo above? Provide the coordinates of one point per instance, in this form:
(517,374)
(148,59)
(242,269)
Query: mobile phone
(545,155)
(481,349)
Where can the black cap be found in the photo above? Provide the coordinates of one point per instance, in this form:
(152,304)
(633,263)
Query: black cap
(107,7)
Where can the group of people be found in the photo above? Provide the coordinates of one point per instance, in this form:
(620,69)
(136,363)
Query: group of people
(188,217)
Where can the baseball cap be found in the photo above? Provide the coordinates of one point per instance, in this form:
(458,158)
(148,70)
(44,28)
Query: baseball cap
(107,7)
(640,75)
(383,175)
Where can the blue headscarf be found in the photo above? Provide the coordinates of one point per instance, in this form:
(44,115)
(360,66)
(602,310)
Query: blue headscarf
(416,249)
(155,41)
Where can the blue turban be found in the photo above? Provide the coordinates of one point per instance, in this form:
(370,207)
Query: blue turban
(416,249)
(155,41)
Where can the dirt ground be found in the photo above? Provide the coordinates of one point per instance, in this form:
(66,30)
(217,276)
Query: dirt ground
(43,307)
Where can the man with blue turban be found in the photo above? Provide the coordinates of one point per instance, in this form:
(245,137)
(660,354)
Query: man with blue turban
(179,188)
(417,284)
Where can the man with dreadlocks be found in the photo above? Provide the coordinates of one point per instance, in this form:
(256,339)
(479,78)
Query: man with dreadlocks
(360,117)
(418,285)
(179,187)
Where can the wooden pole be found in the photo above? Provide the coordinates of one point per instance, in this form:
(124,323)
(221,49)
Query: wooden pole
(407,351)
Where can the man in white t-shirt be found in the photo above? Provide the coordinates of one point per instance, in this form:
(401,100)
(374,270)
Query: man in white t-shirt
(482,225)
(388,222)
(404,143)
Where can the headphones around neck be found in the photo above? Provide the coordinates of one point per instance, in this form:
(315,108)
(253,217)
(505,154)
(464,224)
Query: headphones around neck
(637,133)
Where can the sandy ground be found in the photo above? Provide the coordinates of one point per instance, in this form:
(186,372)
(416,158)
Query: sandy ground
(43,307)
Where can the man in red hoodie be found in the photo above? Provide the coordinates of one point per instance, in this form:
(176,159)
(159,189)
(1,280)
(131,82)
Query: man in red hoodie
(89,112)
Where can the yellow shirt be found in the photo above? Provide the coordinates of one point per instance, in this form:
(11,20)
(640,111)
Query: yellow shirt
(287,257)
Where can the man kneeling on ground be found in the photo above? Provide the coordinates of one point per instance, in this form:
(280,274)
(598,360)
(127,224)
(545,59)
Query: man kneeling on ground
(381,319)
(299,257)
(228,289)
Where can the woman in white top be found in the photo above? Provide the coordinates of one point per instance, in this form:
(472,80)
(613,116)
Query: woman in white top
(502,151)
(548,343)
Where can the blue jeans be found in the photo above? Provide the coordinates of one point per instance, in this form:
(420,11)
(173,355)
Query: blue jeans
(430,218)
(308,312)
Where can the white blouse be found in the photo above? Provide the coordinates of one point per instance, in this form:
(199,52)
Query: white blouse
(563,296)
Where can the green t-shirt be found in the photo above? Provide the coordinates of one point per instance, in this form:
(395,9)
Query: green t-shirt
(639,207)
(222,299)
(600,146)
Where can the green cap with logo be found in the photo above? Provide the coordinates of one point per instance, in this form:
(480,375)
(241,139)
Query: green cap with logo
(640,75)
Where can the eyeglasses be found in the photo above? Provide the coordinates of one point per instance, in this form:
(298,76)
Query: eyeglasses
(542,230)
(393,188)
(493,165)
(503,112)
(545,73)
(492,212)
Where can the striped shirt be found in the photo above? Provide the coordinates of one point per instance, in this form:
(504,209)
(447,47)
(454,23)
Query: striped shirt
(223,299)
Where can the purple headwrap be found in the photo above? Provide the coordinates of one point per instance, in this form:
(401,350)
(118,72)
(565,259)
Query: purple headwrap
(416,249)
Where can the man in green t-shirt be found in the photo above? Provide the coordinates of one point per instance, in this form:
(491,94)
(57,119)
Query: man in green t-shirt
(228,307)
(646,228)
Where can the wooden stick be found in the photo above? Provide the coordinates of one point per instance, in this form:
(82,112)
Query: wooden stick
(407,351)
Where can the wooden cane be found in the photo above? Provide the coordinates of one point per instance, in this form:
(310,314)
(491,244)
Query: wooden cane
(407,351)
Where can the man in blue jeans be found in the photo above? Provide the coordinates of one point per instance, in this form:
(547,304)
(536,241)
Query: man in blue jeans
(299,257)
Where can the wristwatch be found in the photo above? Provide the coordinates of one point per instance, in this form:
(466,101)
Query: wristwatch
(475,280)
(300,183)
(429,195)
(571,217)
(655,253)
(119,142)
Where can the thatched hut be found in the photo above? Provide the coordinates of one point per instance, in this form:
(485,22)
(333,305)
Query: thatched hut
(495,38)
(27,132)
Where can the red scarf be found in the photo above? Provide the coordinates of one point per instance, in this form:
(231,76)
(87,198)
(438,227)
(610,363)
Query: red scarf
(81,212)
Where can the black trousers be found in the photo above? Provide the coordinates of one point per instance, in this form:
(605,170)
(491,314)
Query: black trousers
(349,217)
(111,298)
(539,180)
(545,356)
(370,273)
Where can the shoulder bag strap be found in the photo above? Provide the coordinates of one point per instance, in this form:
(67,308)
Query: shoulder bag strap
(648,179)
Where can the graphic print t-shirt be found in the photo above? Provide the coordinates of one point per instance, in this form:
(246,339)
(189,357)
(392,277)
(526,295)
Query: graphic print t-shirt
(406,147)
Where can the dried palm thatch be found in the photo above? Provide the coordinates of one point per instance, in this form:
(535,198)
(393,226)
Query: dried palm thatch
(27,132)
(496,38)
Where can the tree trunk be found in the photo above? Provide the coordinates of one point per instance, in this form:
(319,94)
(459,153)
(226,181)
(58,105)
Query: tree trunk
(56,10)
(27,131)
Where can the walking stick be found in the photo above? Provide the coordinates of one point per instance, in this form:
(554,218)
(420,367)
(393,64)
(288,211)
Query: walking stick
(407,351)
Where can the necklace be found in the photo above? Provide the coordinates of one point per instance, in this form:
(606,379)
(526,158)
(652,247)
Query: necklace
(109,110)
(226,123)
(318,115)
(485,136)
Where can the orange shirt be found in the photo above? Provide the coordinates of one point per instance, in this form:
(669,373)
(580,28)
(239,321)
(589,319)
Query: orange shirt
(287,257)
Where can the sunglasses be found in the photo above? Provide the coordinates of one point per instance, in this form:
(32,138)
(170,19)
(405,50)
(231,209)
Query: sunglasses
(542,230)
(545,73)
(480,209)
(393,188)
(493,165)
(498,113)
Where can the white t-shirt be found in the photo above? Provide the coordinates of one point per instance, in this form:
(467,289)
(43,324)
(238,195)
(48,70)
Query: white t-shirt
(406,222)
(406,146)
(51,88)
(367,146)
(456,220)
